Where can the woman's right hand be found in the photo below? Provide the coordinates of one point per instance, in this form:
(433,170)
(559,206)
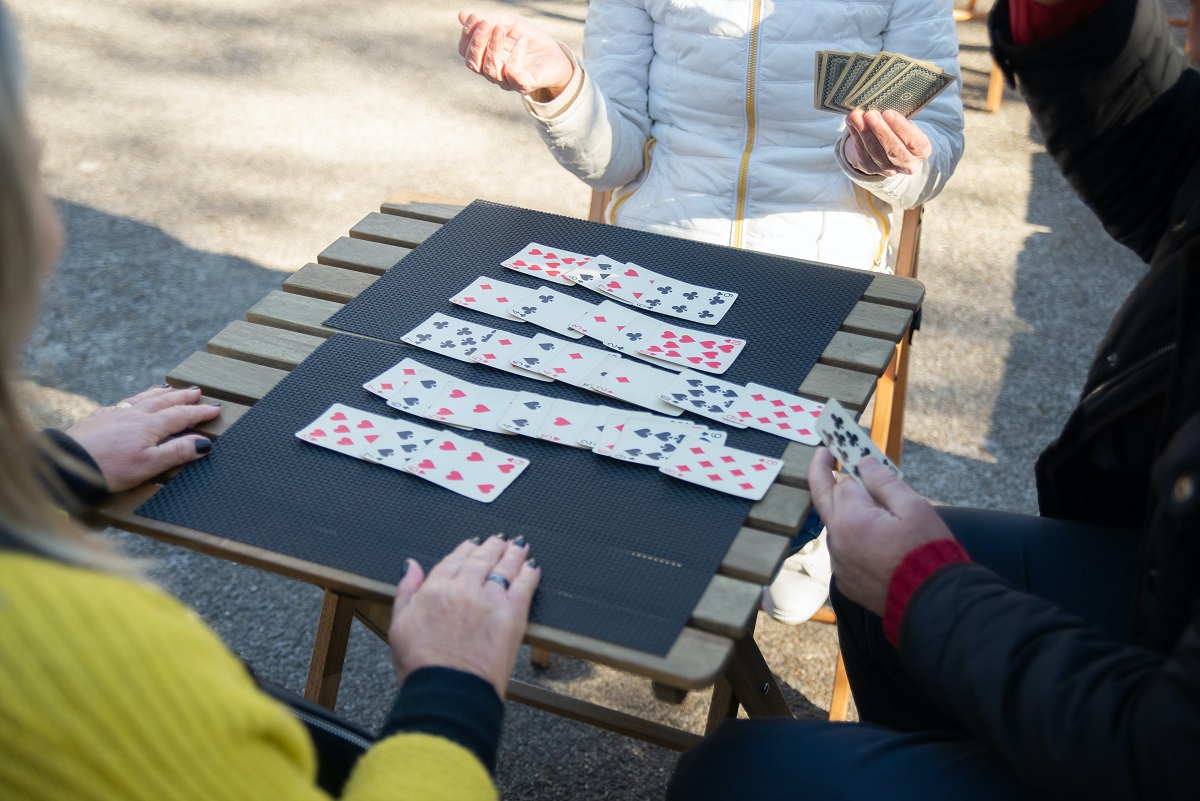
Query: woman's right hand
(462,615)
(514,54)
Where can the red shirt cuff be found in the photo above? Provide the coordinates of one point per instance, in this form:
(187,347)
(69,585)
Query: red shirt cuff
(1030,21)
(917,565)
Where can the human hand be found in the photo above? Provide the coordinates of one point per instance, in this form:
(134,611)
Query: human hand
(134,440)
(514,54)
(458,617)
(885,144)
(870,530)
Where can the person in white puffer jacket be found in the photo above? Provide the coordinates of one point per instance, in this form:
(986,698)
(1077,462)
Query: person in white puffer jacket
(699,115)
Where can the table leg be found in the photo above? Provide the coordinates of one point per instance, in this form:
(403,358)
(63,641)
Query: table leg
(329,651)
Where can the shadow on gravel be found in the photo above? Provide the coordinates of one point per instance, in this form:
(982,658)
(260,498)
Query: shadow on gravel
(128,302)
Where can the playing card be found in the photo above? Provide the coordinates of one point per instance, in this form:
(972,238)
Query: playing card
(642,442)
(449,336)
(467,467)
(392,379)
(419,392)
(776,412)
(698,350)
(873,69)
(687,301)
(855,68)
(876,80)
(552,310)
(573,363)
(498,349)
(470,406)
(636,383)
(491,296)
(633,333)
(597,272)
(397,444)
(538,352)
(629,284)
(525,414)
(546,263)
(910,91)
(830,69)
(605,435)
(593,429)
(565,421)
(704,395)
(345,429)
(849,443)
(604,320)
(719,467)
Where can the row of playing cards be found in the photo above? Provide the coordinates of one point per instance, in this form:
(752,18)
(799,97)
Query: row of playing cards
(639,438)
(751,406)
(617,327)
(628,283)
(457,463)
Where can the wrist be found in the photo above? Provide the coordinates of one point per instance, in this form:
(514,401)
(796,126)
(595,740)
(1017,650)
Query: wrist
(914,569)
(550,93)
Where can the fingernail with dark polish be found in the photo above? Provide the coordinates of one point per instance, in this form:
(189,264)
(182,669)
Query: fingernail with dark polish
(519,542)
(532,563)
(216,403)
(164,386)
(203,445)
(404,569)
(476,541)
(193,386)
(502,537)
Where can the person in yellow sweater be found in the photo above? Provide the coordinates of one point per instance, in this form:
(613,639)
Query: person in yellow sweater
(109,688)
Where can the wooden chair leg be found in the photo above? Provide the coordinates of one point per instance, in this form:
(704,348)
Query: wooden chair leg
(995,92)
(839,703)
(887,425)
(329,650)
(539,657)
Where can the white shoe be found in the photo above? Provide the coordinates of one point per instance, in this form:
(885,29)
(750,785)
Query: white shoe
(802,585)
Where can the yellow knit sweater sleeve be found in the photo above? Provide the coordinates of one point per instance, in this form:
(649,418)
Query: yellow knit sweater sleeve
(113,690)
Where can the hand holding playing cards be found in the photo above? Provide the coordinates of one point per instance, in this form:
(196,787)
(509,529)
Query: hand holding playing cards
(885,144)
(514,54)
(870,530)
(133,441)
(458,617)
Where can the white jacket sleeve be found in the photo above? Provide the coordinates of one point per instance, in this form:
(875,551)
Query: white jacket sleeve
(600,135)
(924,30)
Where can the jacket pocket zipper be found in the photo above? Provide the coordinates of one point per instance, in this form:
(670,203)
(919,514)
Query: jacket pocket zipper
(1133,368)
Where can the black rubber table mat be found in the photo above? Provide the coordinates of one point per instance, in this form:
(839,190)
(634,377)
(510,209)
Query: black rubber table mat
(787,310)
(626,551)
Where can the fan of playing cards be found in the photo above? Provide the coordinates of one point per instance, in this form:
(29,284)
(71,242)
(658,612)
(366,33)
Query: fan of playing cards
(846,81)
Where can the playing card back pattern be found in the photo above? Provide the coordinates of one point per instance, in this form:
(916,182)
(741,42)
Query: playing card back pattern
(787,309)
(627,552)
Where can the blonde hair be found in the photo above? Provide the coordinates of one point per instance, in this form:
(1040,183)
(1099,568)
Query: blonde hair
(29,517)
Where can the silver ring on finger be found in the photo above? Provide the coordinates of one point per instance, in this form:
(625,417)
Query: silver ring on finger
(123,405)
(499,579)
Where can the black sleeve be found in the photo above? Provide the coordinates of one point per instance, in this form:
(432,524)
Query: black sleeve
(84,487)
(453,704)
(1075,714)
(1119,110)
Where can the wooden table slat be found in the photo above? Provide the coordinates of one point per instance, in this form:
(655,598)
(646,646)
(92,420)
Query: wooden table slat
(362,255)
(230,413)
(891,290)
(796,458)
(423,207)
(389,229)
(755,555)
(727,606)
(224,378)
(258,344)
(328,283)
(293,312)
(782,510)
(874,320)
(851,388)
(857,352)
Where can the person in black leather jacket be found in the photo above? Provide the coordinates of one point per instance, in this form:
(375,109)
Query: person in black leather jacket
(1008,656)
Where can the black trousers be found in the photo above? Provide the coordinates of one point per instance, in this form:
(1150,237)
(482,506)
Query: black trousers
(906,747)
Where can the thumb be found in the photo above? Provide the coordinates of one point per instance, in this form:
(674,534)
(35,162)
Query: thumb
(410,582)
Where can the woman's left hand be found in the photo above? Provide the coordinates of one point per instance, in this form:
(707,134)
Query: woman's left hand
(133,441)
(885,144)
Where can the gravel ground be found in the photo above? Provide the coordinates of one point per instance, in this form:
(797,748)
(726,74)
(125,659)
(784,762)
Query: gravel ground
(199,150)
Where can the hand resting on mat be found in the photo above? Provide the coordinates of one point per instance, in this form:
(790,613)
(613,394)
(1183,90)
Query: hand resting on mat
(469,613)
